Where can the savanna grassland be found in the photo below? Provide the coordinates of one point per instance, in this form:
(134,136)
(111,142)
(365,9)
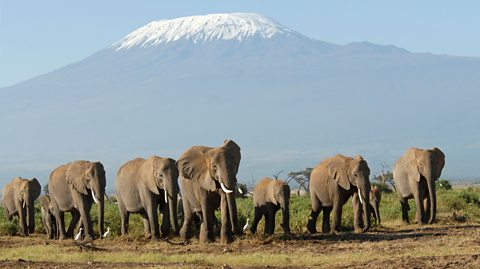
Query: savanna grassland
(453,242)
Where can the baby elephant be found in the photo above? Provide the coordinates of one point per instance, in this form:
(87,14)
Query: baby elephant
(269,196)
(375,198)
(48,218)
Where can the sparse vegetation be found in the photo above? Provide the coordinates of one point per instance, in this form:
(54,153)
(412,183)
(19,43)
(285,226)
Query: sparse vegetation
(456,207)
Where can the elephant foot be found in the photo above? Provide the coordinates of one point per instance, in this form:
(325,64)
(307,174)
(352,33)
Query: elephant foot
(359,230)
(205,240)
(185,234)
(226,239)
(311,227)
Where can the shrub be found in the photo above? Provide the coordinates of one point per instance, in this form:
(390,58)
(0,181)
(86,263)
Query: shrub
(383,187)
(443,184)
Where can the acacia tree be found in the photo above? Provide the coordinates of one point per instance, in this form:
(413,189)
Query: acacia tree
(385,178)
(302,178)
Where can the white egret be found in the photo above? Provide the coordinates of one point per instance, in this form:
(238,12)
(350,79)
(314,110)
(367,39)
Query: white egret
(107,233)
(79,234)
(246,225)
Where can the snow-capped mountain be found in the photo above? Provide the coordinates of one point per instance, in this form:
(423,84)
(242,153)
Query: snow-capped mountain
(201,29)
(288,100)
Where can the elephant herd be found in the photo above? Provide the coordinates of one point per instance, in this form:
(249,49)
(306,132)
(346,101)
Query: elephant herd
(207,177)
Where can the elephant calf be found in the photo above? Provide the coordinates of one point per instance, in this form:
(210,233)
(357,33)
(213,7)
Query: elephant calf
(269,196)
(375,198)
(18,200)
(48,218)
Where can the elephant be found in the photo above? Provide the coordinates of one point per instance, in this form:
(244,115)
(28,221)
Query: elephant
(269,196)
(48,219)
(142,186)
(74,187)
(18,200)
(375,198)
(208,180)
(414,175)
(332,182)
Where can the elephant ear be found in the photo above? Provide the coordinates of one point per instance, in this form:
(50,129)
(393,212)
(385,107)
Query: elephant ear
(193,164)
(337,169)
(35,188)
(148,174)
(412,166)
(440,159)
(76,176)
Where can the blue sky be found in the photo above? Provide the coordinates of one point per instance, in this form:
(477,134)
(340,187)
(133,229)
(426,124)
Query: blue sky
(39,36)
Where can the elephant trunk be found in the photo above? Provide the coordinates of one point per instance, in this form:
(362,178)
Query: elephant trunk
(99,196)
(433,199)
(31,216)
(232,210)
(172,208)
(366,209)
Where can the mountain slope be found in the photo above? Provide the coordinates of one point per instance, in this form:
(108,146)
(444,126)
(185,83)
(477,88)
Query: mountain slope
(288,100)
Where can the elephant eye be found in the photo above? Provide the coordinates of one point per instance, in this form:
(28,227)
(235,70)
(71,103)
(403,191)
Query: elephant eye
(214,167)
(160,176)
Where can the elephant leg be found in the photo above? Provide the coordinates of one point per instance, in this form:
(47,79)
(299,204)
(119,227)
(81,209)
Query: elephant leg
(124,217)
(204,236)
(405,208)
(326,219)
(84,209)
(165,228)
(73,224)
(357,214)
(146,226)
(420,216)
(186,231)
(22,214)
(270,228)
(312,221)
(337,217)
(256,219)
(426,204)
(48,226)
(152,212)
(60,219)
(225,230)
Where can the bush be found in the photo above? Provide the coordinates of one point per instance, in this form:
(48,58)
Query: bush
(443,184)
(383,187)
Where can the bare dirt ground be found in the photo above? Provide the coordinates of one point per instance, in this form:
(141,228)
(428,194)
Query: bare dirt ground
(438,246)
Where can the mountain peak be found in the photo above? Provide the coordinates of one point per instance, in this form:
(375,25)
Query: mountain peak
(199,29)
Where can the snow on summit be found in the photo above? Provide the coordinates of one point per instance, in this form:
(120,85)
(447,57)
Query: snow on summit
(235,26)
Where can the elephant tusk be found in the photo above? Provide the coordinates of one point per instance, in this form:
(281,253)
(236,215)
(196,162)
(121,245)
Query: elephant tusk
(240,191)
(225,188)
(24,204)
(94,198)
(166,195)
(360,196)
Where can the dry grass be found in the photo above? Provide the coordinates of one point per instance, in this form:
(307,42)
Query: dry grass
(384,247)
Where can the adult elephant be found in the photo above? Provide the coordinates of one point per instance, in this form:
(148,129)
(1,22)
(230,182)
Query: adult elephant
(208,179)
(18,200)
(414,175)
(332,183)
(74,187)
(144,185)
(269,196)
